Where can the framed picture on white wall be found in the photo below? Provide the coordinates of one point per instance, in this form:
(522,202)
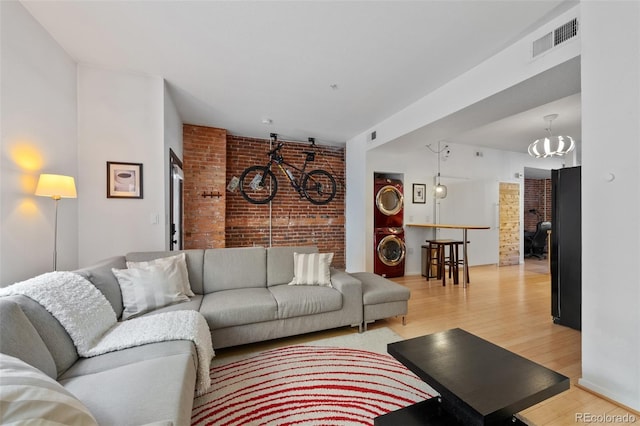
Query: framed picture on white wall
(124,180)
(419,196)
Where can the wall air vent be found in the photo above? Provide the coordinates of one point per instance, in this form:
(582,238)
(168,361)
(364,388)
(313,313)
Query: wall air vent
(554,38)
(542,44)
(565,32)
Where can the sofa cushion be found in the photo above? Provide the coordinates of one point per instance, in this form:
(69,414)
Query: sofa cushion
(194,259)
(21,340)
(131,355)
(28,396)
(192,305)
(147,391)
(101,276)
(312,269)
(234,268)
(51,332)
(236,307)
(296,301)
(174,264)
(146,289)
(377,289)
(280,263)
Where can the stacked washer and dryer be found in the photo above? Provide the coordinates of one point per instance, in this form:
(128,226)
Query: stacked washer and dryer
(389,246)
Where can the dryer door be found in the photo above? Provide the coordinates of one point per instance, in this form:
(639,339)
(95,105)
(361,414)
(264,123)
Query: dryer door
(389,200)
(391,250)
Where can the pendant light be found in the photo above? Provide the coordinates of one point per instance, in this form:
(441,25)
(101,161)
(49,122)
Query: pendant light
(551,145)
(440,190)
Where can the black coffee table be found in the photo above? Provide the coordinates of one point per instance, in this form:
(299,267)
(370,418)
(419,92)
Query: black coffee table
(479,383)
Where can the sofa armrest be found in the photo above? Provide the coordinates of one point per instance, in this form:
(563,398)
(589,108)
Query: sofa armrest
(341,278)
(351,289)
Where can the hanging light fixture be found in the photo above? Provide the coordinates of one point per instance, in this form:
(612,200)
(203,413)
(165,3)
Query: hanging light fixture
(440,190)
(551,145)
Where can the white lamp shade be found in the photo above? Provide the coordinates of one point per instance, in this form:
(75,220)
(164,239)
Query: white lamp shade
(56,186)
(440,191)
(551,146)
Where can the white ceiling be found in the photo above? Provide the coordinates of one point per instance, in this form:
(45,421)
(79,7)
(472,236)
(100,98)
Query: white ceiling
(232,64)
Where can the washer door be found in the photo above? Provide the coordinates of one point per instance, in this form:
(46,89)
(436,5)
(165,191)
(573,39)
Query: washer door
(391,250)
(389,200)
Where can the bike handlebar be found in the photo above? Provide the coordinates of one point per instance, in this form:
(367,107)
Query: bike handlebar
(276,149)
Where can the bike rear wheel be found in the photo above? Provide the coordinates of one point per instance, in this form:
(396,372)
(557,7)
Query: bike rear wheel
(258,184)
(319,187)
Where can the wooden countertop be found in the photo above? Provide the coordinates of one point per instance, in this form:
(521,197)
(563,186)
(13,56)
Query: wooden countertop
(446,226)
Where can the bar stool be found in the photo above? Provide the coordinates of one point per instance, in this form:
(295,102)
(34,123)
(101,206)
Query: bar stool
(459,262)
(439,258)
(434,256)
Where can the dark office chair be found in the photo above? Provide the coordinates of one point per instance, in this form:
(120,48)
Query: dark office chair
(538,242)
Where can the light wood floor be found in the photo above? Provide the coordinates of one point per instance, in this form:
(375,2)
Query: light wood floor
(509,306)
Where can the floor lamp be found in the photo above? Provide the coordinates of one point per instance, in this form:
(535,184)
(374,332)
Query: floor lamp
(56,187)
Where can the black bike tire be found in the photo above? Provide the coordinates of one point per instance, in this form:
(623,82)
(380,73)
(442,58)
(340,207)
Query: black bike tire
(334,188)
(265,172)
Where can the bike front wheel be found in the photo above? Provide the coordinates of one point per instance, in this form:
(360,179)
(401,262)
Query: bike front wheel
(319,187)
(258,184)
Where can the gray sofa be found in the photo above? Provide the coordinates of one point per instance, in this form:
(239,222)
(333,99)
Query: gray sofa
(242,293)
(244,296)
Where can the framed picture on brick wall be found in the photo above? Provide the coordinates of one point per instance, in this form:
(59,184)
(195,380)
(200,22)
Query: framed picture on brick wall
(124,180)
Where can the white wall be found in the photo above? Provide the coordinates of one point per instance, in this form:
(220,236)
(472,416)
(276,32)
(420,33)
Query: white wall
(38,125)
(506,69)
(355,205)
(172,125)
(611,210)
(173,141)
(120,118)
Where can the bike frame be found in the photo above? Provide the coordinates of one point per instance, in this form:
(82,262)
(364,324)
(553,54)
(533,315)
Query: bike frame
(278,160)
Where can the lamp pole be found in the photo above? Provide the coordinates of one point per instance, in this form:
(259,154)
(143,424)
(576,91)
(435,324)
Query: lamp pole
(56,198)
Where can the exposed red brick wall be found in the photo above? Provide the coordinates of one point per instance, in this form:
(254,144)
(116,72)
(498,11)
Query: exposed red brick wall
(294,221)
(535,197)
(204,166)
(212,158)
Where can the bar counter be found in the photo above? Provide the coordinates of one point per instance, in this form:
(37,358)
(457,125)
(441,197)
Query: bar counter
(465,229)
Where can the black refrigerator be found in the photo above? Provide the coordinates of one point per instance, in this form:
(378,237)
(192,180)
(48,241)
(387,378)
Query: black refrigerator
(566,247)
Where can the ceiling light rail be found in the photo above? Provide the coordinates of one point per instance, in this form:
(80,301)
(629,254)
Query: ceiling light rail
(279,137)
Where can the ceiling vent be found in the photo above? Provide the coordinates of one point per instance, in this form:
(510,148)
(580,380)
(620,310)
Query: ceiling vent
(554,38)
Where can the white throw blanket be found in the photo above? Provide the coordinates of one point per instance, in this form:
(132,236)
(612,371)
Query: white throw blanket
(90,321)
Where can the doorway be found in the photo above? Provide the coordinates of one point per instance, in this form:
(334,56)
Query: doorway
(509,224)
(176,178)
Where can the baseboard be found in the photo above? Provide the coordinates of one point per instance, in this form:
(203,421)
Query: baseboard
(586,388)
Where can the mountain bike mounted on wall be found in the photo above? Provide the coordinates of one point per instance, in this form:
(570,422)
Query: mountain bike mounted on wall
(259,185)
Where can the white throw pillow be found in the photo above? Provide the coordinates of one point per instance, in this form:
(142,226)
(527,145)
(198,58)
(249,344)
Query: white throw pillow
(181,262)
(31,397)
(146,289)
(312,269)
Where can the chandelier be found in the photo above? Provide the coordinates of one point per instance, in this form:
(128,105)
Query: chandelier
(550,146)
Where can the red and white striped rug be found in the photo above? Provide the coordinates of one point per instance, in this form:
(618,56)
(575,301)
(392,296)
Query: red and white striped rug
(308,385)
